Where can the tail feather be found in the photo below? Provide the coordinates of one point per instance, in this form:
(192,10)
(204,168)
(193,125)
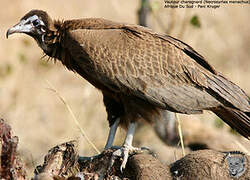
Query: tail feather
(236,119)
(228,93)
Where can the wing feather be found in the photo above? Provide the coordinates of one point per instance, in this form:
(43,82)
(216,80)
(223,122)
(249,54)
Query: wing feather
(135,61)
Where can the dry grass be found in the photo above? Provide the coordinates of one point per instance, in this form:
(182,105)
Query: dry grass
(85,136)
(41,121)
(180,134)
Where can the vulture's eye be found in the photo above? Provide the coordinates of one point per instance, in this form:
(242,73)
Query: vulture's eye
(36,22)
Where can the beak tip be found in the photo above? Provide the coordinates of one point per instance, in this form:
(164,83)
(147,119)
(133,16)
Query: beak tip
(7,34)
(12,30)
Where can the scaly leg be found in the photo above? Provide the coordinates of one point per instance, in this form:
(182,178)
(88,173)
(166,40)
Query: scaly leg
(128,144)
(112,133)
(127,147)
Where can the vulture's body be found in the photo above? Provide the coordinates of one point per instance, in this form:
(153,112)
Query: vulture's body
(139,72)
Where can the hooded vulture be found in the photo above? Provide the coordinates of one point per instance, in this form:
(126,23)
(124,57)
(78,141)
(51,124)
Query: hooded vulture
(139,72)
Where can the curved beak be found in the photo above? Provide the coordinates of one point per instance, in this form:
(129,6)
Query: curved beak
(21,27)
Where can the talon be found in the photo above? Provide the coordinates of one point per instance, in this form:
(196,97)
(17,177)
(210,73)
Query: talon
(127,148)
(124,152)
(125,158)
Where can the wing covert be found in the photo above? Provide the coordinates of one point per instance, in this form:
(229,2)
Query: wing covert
(142,65)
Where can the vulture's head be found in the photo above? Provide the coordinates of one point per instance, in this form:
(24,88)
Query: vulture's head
(36,24)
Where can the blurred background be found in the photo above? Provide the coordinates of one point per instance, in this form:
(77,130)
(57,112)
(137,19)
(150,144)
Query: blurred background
(41,120)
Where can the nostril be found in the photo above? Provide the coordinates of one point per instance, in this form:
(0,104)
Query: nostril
(27,22)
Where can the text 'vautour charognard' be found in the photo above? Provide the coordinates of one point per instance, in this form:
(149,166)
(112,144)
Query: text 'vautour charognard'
(202,4)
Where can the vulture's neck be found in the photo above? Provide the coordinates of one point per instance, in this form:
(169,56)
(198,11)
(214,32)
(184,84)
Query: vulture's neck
(52,43)
(53,46)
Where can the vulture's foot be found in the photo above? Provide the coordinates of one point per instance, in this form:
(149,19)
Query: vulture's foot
(124,152)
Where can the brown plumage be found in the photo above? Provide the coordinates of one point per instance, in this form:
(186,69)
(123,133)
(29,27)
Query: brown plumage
(140,72)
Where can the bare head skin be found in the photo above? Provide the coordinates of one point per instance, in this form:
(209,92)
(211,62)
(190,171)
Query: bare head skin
(35,24)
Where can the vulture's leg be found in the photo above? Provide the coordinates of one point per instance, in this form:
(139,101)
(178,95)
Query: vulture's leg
(112,133)
(127,147)
(128,144)
(130,134)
